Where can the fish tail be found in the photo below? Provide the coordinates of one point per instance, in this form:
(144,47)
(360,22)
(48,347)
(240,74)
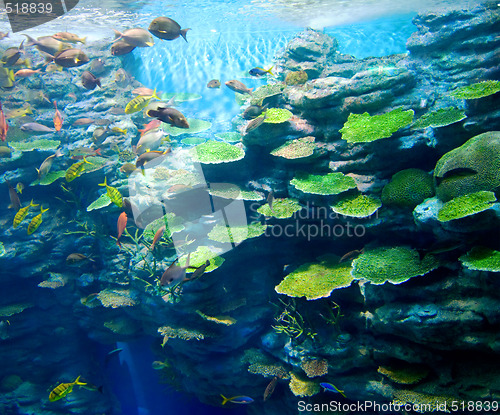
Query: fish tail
(31,41)
(224,399)
(33,204)
(155,96)
(42,210)
(119,243)
(105,182)
(11,75)
(118,34)
(98,151)
(55,105)
(84,40)
(183,33)
(269,71)
(28,109)
(250,91)
(187,260)
(98,82)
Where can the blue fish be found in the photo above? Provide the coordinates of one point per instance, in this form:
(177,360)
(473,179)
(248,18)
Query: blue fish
(331,388)
(260,71)
(236,399)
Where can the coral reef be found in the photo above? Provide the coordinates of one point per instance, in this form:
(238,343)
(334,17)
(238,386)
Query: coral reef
(328,184)
(217,152)
(466,205)
(408,188)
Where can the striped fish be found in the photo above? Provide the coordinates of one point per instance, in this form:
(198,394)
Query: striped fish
(36,221)
(21,214)
(63,389)
(113,193)
(76,169)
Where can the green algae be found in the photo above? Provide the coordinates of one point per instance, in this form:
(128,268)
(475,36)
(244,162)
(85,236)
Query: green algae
(477,90)
(316,280)
(439,118)
(328,184)
(282,208)
(296,149)
(215,152)
(236,234)
(364,128)
(466,205)
(395,265)
(481,258)
(357,206)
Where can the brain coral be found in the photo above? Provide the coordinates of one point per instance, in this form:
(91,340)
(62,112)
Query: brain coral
(472,167)
(408,188)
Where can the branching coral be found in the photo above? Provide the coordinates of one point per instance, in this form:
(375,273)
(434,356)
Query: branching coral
(405,374)
(225,320)
(269,370)
(466,205)
(54,281)
(314,367)
(116,298)
(364,128)
(301,387)
(422,402)
(35,145)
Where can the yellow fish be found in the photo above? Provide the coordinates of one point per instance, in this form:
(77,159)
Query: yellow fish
(139,102)
(113,193)
(119,130)
(20,112)
(63,389)
(21,214)
(36,221)
(76,169)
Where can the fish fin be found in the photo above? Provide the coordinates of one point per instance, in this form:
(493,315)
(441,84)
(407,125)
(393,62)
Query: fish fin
(42,210)
(150,44)
(105,182)
(31,41)
(187,260)
(183,33)
(155,96)
(85,161)
(28,110)
(98,151)
(224,399)
(118,35)
(250,91)
(269,71)
(84,40)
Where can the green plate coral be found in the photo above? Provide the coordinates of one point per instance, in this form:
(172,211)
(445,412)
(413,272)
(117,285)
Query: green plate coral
(35,145)
(477,90)
(97,164)
(408,188)
(328,184)
(296,149)
(192,141)
(49,178)
(357,206)
(481,259)
(466,205)
(200,256)
(229,137)
(439,118)
(195,126)
(394,265)
(231,191)
(282,208)
(277,115)
(236,234)
(364,128)
(170,221)
(215,152)
(101,202)
(316,280)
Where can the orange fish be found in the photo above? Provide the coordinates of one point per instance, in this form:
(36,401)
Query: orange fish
(150,126)
(121,225)
(4,127)
(58,119)
(157,237)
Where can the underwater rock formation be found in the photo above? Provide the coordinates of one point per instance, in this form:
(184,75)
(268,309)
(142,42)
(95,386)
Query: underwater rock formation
(352,272)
